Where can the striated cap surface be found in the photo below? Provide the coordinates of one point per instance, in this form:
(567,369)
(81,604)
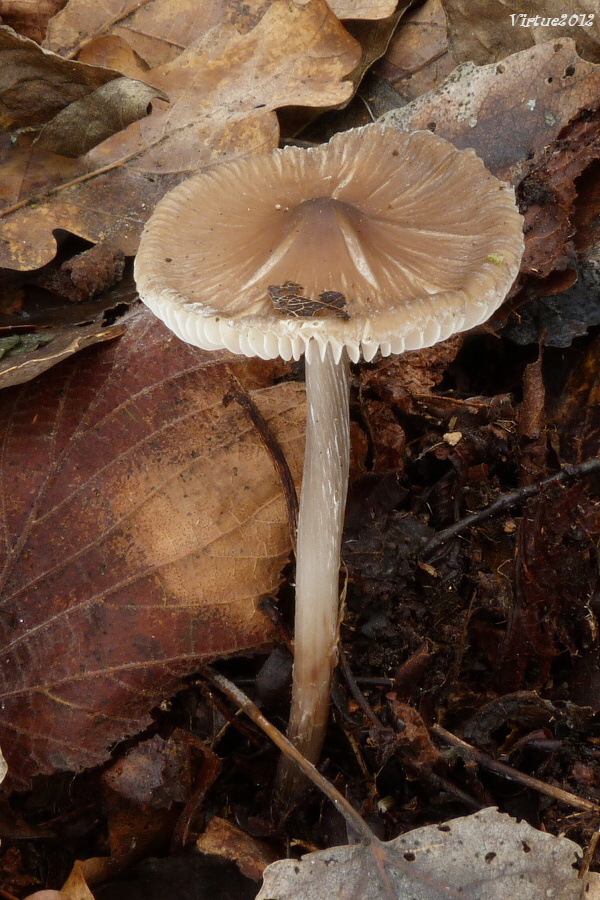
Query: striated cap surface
(378,240)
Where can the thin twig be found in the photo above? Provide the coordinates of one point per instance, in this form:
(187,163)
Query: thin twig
(441,784)
(505,771)
(340,718)
(243,399)
(231,719)
(354,689)
(252,711)
(588,855)
(514,498)
(368,681)
(368,108)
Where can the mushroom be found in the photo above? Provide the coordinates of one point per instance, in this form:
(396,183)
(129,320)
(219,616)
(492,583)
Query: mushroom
(377,241)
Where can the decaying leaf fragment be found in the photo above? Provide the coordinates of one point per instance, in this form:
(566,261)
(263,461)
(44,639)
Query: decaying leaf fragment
(418,57)
(75,105)
(528,99)
(35,84)
(548,193)
(230,67)
(87,122)
(486,856)
(221,838)
(363,9)
(486,30)
(142,522)
(29,358)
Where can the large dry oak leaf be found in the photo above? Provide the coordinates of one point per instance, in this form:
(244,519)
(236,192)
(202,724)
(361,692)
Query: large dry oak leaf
(141,521)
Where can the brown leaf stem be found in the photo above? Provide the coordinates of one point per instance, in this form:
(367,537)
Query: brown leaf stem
(273,447)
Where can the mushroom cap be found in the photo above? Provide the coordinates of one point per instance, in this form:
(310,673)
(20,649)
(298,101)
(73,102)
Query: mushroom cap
(378,240)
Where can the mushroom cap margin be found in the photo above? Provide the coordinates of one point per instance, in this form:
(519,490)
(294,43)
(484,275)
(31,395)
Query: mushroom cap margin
(421,240)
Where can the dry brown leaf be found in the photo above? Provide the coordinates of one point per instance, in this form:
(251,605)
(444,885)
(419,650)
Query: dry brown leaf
(486,856)
(35,84)
(29,17)
(75,104)
(374,37)
(86,122)
(223,839)
(510,111)
(482,31)
(418,58)
(19,367)
(156,30)
(142,522)
(363,9)
(223,88)
(113,52)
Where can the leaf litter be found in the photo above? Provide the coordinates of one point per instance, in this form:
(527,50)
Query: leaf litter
(231,71)
(38,84)
(491,445)
(484,31)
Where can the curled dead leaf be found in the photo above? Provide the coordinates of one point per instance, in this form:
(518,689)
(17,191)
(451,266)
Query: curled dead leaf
(87,122)
(76,105)
(221,838)
(35,84)
(25,363)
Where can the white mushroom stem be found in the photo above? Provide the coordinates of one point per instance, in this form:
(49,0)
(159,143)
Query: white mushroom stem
(320,523)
